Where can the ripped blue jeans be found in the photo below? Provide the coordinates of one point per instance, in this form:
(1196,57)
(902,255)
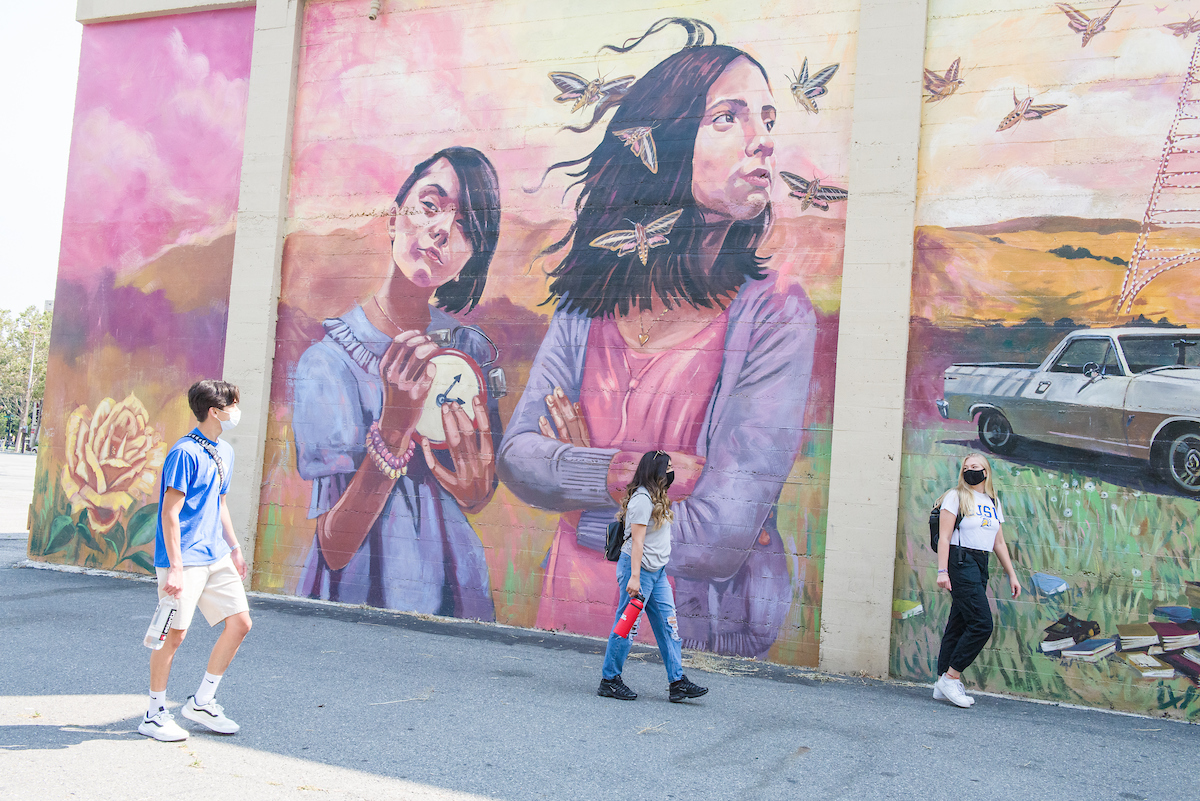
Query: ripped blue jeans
(660,610)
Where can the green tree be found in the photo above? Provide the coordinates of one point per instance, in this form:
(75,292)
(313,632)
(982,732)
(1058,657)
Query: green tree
(21,337)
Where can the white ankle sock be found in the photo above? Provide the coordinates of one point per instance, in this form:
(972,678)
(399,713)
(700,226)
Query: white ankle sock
(157,701)
(208,689)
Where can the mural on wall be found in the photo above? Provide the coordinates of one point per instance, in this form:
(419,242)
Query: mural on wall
(516,261)
(1056,326)
(143,280)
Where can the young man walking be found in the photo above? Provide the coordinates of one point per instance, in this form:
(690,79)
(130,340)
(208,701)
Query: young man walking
(198,560)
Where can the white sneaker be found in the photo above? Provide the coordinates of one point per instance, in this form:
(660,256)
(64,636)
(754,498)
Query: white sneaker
(162,726)
(938,695)
(211,716)
(951,690)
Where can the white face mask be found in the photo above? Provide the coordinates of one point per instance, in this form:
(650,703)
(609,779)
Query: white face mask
(235,416)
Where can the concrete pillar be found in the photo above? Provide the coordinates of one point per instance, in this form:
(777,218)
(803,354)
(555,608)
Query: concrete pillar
(258,248)
(868,411)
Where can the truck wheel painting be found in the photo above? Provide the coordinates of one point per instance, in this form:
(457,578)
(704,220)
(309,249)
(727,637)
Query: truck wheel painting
(1132,392)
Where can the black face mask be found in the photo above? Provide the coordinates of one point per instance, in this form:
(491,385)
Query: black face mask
(670,477)
(974,477)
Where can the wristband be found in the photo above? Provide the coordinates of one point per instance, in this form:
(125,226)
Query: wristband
(944,571)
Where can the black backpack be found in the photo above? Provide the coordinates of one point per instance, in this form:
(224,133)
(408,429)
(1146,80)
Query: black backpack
(614,540)
(935,523)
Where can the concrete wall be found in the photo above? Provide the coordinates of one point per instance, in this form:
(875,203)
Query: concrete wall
(1032,215)
(341,109)
(752,472)
(144,274)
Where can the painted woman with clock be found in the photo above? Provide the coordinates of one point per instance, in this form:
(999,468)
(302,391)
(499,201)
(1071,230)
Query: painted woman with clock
(393,419)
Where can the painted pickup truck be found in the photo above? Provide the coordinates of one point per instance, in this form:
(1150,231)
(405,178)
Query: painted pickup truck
(1127,391)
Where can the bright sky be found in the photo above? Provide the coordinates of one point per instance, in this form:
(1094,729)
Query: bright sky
(39,55)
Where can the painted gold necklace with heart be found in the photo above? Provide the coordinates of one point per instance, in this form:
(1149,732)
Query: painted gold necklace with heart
(644,336)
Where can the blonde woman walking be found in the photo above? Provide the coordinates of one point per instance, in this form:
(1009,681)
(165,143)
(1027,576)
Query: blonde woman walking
(642,572)
(963,570)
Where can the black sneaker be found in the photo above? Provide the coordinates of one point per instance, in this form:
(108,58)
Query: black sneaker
(615,688)
(684,689)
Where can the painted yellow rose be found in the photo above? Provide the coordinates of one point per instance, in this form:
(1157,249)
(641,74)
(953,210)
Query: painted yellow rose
(112,453)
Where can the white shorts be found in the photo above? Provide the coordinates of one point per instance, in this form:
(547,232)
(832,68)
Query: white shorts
(215,589)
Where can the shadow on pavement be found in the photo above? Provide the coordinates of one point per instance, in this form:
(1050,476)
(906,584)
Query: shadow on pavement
(32,737)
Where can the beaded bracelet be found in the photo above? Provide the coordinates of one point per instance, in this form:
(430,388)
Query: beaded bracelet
(389,464)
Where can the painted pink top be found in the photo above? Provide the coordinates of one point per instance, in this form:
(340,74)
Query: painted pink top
(645,401)
(635,402)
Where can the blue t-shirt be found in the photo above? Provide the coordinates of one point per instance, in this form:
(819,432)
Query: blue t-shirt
(190,469)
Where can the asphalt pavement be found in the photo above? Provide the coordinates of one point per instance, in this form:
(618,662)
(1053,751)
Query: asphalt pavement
(353,703)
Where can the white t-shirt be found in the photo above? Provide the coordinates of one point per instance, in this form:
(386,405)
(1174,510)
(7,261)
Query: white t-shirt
(656,550)
(979,530)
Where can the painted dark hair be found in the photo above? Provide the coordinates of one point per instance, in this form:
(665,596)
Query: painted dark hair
(211,394)
(479,201)
(618,191)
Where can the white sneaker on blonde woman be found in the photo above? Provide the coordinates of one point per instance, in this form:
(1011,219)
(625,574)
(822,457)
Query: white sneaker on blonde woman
(948,689)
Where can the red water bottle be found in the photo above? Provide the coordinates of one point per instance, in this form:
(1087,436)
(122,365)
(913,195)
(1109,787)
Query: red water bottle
(628,615)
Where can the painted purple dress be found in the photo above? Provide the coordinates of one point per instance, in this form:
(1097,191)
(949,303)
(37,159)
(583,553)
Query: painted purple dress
(731,579)
(421,555)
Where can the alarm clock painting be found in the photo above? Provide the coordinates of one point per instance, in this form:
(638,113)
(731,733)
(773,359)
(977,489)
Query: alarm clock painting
(393,421)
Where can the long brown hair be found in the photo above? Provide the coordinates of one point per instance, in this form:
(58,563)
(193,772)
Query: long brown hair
(651,473)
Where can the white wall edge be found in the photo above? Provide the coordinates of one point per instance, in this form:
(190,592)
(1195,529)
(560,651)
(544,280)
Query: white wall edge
(872,350)
(92,11)
(258,250)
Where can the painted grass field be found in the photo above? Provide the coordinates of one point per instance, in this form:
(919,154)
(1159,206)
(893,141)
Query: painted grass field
(1121,551)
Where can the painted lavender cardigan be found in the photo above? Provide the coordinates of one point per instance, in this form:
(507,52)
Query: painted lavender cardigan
(732,590)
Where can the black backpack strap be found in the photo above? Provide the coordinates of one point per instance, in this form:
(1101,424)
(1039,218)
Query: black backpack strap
(208,447)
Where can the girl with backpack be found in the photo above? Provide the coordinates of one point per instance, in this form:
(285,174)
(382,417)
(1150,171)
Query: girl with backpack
(642,571)
(962,556)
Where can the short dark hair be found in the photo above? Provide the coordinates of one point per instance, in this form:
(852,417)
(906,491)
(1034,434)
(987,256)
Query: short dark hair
(479,201)
(211,393)
(618,190)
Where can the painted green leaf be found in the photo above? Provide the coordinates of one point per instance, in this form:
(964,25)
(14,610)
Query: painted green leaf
(143,525)
(112,545)
(141,559)
(116,537)
(62,530)
(84,532)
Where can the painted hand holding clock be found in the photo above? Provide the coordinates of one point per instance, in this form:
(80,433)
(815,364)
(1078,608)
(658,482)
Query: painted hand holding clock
(391,525)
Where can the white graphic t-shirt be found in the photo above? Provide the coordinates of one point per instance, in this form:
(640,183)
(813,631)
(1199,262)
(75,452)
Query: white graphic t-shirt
(976,530)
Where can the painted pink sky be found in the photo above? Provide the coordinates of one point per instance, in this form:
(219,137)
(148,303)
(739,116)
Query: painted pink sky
(156,148)
(374,98)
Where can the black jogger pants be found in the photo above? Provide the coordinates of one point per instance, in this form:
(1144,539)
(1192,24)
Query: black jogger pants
(970,623)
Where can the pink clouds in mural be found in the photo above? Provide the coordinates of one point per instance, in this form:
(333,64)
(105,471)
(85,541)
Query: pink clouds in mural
(376,97)
(156,151)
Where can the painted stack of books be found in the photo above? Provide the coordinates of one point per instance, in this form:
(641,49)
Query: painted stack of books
(1158,649)
(1067,632)
(1092,650)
